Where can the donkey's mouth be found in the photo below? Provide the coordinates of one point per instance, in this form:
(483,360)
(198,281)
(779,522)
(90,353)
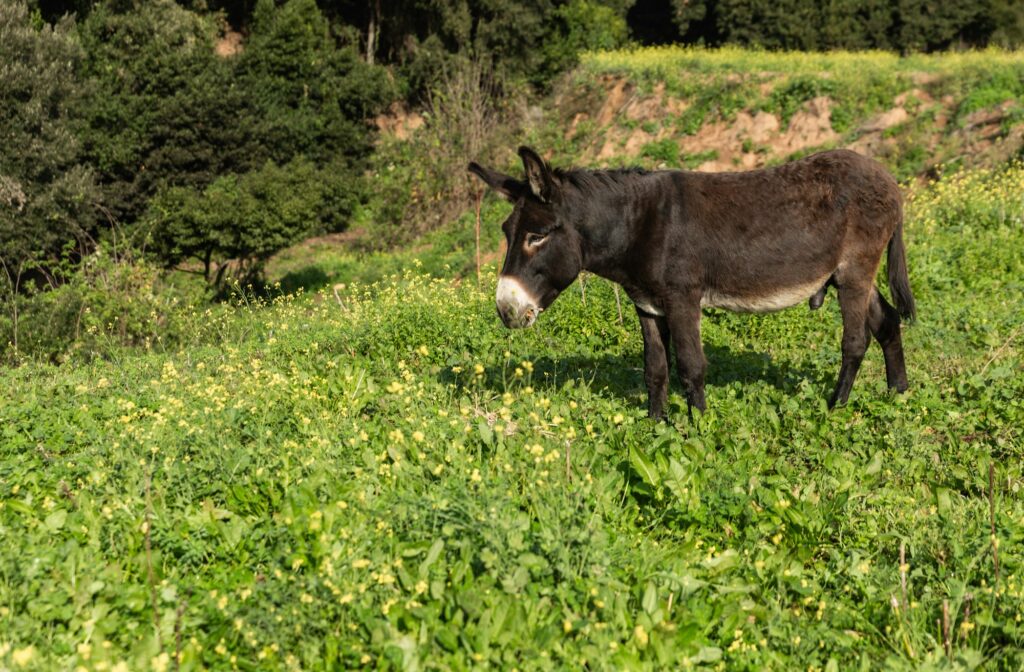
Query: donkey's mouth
(514,319)
(517,306)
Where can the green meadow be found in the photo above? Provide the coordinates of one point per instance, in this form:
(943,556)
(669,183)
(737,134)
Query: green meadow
(378,475)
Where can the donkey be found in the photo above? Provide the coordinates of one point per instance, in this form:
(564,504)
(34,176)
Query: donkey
(756,241)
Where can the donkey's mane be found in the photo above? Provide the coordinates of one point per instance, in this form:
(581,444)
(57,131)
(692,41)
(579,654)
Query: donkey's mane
(595,180)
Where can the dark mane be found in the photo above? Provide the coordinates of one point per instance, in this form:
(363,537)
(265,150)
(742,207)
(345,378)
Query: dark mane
(593,180)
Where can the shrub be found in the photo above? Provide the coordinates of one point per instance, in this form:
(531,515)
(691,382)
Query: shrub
(109,302)
(662,151)
(237,222)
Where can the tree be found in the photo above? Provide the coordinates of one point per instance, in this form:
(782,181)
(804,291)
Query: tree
(242,219)
(1008,17)
(163,110)
(170,119)
(929,25)
(308,91)
(906,25)
(48,195)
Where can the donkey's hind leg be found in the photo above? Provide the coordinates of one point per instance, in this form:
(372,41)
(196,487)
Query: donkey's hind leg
(853,303)
(884,323)
(684,324)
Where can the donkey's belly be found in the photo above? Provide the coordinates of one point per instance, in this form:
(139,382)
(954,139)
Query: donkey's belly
(765,300)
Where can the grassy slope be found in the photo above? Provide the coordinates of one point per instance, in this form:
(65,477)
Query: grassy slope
(328,485)
(400,483)
(701,88)
(957,108)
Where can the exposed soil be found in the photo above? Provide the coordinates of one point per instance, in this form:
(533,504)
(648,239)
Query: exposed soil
(624,121)
(228,44)
(398,121)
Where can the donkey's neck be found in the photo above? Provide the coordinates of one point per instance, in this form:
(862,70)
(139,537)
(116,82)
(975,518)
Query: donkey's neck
(616,210)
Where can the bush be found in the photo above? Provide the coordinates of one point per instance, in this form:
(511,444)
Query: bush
(237,222)
(583,25)
(109,302)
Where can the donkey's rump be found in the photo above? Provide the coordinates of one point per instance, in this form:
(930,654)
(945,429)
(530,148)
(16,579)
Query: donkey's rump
(769,239)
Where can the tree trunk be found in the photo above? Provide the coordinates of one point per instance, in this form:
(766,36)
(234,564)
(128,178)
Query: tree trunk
(206,264)
(372,30)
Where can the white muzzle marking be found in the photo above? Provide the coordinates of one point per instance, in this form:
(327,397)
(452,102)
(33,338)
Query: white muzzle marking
(516,305)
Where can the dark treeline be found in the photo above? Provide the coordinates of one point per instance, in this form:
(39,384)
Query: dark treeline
(895,25)
(201,131)
(391,31)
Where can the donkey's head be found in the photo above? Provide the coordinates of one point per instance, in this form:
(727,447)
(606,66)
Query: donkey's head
(544,254)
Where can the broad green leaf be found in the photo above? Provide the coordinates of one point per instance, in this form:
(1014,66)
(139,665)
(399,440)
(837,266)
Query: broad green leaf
(643,466)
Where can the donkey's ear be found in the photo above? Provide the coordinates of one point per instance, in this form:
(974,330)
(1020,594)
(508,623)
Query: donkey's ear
(509,187)
(538,174)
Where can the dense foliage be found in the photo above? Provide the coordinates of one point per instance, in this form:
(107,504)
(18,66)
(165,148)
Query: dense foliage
(244,218)
(48,191)
(127,106)
(900,25)
(170,118)
(131,108)
(385,478)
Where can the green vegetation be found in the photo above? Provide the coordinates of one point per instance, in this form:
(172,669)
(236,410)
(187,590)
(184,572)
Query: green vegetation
(714,85)
(127,125)
(46,188)
(208,130)
(385,477)
(859,82)
(244,219)
(448,252)
(349,463)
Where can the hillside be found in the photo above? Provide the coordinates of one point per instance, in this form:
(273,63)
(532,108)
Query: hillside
(725,109)
(732,109)
(374,474)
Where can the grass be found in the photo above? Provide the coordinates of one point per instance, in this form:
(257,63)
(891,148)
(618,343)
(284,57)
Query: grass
(717,83)
(445,252)
(669,62)
(388,479)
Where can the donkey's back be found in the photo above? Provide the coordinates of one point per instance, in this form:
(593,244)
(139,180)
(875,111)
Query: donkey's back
(767,239)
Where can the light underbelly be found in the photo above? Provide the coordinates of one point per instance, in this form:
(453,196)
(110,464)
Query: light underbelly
(766,302)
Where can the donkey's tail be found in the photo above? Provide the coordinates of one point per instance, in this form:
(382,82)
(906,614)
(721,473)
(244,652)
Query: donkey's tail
(899,283)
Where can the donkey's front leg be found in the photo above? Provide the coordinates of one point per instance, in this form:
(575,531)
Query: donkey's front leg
(656,342)
(684,323)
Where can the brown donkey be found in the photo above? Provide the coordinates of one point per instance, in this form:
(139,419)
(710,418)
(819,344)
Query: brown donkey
(755,241)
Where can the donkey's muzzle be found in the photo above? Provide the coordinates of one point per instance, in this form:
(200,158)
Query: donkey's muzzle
(516,305)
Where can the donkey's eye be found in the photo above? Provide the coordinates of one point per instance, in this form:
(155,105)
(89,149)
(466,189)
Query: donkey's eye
(535,239)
